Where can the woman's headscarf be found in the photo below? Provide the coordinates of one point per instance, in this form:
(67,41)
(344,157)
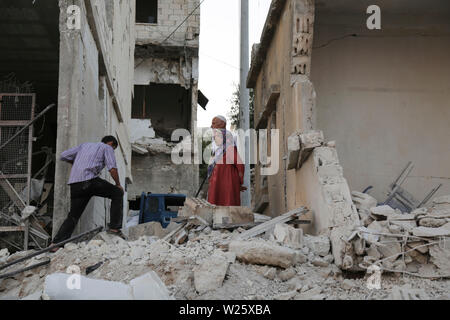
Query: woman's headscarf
(227,141)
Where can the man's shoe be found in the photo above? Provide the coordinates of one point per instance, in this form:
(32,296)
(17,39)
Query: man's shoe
(117,233)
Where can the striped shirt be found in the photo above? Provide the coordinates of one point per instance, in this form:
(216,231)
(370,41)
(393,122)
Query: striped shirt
(88,160)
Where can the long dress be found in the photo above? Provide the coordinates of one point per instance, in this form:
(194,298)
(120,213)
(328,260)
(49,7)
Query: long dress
(226,180)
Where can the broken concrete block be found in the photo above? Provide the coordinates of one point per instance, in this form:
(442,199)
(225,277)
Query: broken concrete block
(432,232)
(382,212)
(288,235)
(197,207)
(389,249)
(319,245)
(300,258)
(270,273)
(149,287)
(347,284)
(295,284)
(4,254)
(300,146)
(319,262)
(432,222)
(263,252)
(440,257)
(287,274)
(363,201)
(225,217)
(211,273)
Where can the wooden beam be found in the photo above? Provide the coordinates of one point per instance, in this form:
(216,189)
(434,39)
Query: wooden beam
(12,229)
(293,214)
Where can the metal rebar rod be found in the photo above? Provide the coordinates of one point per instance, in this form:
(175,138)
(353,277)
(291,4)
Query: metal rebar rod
(27,125)
(98,229)
(13,273)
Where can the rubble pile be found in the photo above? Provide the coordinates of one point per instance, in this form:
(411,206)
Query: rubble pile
(416,243)
(225,263)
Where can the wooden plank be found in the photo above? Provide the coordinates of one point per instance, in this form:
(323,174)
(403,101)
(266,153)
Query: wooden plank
(293,214)
(12,229)
(12,193)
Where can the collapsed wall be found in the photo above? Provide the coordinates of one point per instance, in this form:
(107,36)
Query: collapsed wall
(321,187)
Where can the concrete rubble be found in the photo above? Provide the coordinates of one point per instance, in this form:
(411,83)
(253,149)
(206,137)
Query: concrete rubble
(416,243)
(213,264)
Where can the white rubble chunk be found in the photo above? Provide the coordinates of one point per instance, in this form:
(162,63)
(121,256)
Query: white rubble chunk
(4,254)
(211,273)
(384,211)
(287,235)
(287,274)
(432,232)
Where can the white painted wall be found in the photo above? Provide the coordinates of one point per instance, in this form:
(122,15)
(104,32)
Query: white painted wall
(385,98)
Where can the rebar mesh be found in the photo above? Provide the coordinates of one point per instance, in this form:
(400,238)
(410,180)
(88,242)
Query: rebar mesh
(15,111)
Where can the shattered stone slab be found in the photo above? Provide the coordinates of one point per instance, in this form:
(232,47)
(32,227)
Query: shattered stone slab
(319,245)
(211,273)
(300,146)
(432,232)
(288,235)
(230,217)
(197,207)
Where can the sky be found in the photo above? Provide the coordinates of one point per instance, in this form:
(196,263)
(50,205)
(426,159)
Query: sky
(219,51)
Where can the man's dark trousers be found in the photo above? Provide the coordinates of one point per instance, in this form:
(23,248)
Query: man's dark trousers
(80,194)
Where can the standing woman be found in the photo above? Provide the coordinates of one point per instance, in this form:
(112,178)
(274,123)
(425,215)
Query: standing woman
(226,171)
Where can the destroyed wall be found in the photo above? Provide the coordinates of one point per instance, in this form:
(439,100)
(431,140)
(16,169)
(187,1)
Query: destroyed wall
(95,85)
(309,171)
(170,70)
(383,94)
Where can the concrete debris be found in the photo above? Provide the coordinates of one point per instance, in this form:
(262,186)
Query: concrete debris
(287,274)
(300,146)
(347,284)
(4,254)
(363,201)
(319,245)
(287,235)
(216,264)
(211,273)
(149,229)
(443,231)
(382,211)
(263,252)
(407,293)
(232,217)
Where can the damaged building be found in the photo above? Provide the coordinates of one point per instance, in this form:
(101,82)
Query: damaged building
(77,58)
(354,102)
(166,94)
